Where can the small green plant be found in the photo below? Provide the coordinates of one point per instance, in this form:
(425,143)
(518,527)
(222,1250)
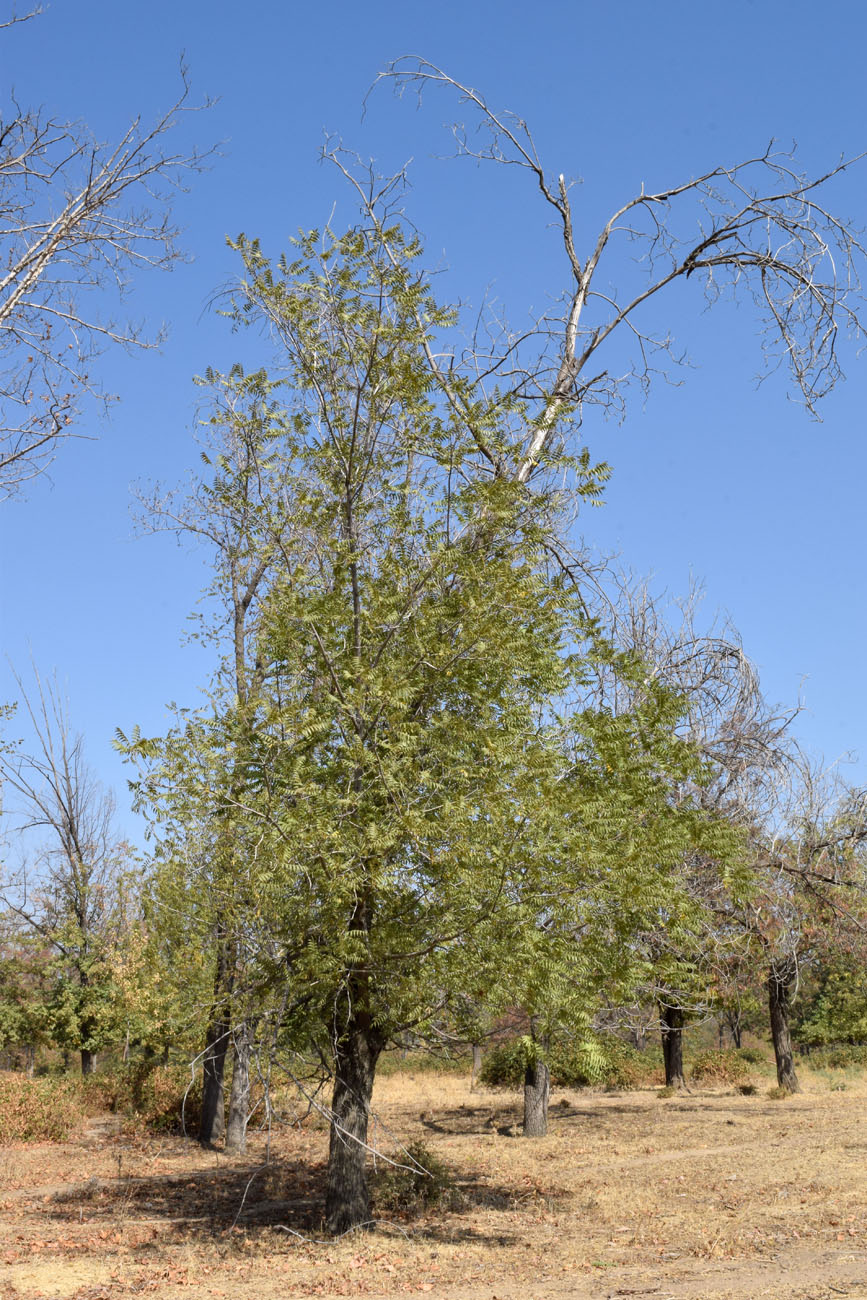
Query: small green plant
(414,1180)
(779,1094)
(667,1091)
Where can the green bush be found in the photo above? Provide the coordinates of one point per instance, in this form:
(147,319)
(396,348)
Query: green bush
(727,1066)
(608,1061)
(38,1110)
(843,1057)
(752,1055)
(417,1180)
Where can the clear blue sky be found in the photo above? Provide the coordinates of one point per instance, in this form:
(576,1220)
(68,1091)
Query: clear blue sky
(715,479)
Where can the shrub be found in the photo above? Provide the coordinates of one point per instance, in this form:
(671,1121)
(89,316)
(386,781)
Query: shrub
(38,1110)
(720,1067)
(159,1096)
(417,1180)
(843,1057)
(608,1061)
(752,1055)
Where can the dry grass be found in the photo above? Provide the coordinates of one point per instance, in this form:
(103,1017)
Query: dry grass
(708,1194)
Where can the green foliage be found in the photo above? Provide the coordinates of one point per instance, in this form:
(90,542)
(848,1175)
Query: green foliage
(832,1008)
(606,1061)
(844,1056)
(752,1055)
(413,1181)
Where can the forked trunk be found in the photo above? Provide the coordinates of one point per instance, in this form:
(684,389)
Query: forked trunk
(347,1197)
(537,1090)
(671,1022)
(239,1097)
(781,979)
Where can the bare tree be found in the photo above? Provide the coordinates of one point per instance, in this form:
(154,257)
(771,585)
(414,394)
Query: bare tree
(758,227)
(65,890)
(77,217)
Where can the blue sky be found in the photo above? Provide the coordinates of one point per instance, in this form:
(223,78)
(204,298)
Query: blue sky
(714,480)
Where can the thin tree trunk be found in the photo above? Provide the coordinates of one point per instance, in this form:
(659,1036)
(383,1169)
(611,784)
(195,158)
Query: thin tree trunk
(781,977)
(537,1090)
(239,1097)
(671,1022)
(477,1064)
(347,1197)
(88,1061)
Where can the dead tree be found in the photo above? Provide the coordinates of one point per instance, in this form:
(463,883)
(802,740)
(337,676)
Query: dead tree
(77,218)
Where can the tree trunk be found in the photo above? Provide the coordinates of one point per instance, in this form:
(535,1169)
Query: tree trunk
(734,1024)
(239,1097)
(781,977)
(347,1198)
(671,1022)
(212,1125)
(477,1064)
(537,1090)
(88,1061)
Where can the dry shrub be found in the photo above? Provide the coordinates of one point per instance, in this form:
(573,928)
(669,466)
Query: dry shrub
(38,1110)
(417,1181)
(159,1097)
(727,1066)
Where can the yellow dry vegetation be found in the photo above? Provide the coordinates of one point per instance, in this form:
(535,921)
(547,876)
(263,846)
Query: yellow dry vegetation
(707,1194)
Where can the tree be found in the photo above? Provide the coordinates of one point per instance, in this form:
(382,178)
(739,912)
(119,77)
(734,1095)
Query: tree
(67,893)
(78,217)
(422,621)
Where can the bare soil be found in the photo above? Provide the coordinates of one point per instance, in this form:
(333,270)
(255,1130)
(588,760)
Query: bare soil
(708,1195)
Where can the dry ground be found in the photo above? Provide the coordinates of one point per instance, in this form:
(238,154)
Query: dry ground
(701,1196)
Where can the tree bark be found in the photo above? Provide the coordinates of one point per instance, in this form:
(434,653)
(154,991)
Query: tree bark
(239,1097)
(212,1125)
(347,1197)
(477,1064)
(781,977)
(537,1090)
(671,1022)
(88,1061)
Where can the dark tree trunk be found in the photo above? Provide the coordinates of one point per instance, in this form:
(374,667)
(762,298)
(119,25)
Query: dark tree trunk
(734,1024)
(88,1061)
(781,977)
(212,1125)
(537,1090)
(671,1022)
(347,1198)
(239,1097)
